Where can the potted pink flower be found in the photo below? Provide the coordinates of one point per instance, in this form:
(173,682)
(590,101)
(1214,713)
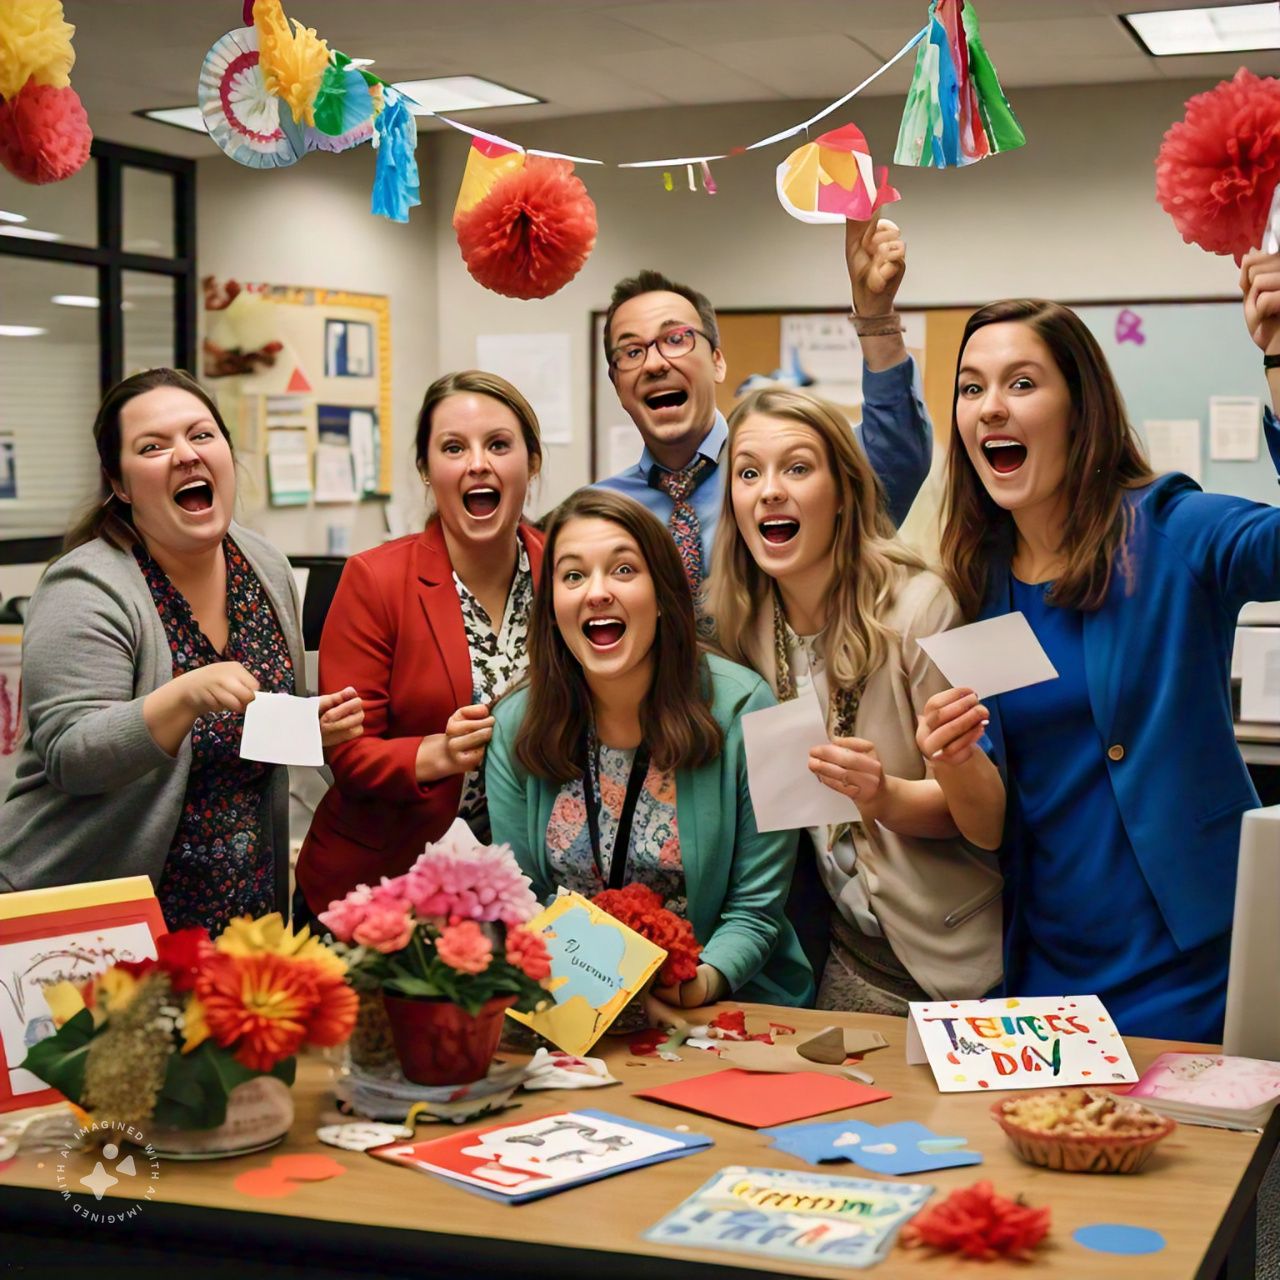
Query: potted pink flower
(446,945)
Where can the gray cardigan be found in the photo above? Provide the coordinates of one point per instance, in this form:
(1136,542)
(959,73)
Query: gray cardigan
(95,796)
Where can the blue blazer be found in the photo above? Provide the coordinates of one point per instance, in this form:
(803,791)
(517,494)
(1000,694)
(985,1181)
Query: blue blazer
(1158,666)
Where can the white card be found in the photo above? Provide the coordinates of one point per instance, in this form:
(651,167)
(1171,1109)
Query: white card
(992,656)
(784,794)
(1259,649)
(281,729)
(1010,1042)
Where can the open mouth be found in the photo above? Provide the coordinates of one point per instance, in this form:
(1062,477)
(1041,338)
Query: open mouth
(1004,456)
(604,633)
(780,530)
(197,495)
(481,502)
(666,400)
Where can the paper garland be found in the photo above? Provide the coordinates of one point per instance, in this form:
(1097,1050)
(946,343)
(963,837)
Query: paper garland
(241,115)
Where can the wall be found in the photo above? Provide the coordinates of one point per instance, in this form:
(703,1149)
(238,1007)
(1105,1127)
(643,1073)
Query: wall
(1072,215)
(310,225)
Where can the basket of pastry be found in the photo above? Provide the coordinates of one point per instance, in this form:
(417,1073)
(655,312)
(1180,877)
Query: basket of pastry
(1081,1130)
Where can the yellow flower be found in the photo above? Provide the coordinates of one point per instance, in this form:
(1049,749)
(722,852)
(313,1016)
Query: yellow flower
(195,1030)
(113,991)
(64,1001)
(269,935)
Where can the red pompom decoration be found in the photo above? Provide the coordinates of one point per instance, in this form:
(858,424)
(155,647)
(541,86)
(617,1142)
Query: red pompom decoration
(44,133)
(640,908)
(978,1223)
(531,234)
(1217,169)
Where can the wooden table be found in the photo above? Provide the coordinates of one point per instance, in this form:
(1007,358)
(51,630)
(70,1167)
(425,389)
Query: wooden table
(1198,1191)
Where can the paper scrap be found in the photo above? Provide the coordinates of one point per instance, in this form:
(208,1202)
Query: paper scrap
(286,1174)
(282,729)
(1174,444)
(1235,428)
(784,793)
(1119,1238)
(993,656)
(903,1148)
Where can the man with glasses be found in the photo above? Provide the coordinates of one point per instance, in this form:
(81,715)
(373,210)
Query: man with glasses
(663,347)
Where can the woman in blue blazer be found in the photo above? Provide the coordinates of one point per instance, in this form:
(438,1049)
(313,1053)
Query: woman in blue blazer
(1126,788)
(622,759)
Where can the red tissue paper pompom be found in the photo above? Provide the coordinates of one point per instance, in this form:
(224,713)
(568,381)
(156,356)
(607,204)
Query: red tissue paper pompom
(531,234)
(640,908)
(44,133)
(1217,169)
(978,1223)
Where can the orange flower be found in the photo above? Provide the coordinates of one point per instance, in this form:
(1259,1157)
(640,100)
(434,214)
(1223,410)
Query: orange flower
(259,1003)
(335,1011)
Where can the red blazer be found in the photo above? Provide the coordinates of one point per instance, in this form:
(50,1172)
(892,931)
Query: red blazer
(394,631)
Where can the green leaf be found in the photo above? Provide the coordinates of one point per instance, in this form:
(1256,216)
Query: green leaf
(408,985)
(59,1060)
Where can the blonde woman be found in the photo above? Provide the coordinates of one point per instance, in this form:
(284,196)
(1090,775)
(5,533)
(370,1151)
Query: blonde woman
(809,587)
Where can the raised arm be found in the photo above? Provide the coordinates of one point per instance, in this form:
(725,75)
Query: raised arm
(896,432)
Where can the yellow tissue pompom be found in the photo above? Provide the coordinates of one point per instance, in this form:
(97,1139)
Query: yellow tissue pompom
(293,63)
(35,42)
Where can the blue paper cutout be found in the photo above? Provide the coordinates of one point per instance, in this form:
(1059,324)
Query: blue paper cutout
(1116,1237)
(589,954)
(905,1147)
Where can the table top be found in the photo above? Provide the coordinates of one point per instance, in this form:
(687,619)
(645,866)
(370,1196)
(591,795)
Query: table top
(1193,1190)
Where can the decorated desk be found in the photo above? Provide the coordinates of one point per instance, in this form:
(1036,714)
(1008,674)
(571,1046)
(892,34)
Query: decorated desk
(1198,1191)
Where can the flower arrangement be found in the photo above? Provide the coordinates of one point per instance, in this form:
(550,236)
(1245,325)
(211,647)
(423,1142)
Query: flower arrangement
(640,908)
(163,1042)
(450,928)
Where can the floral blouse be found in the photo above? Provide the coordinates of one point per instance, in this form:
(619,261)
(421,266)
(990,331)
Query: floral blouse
(498,659)
(653,858)
(219,866)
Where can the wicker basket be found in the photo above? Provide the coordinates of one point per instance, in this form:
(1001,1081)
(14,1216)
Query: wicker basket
(1084,1153)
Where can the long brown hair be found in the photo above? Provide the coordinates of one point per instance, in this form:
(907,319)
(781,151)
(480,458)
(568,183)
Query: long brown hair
(1104,458)
(676,723)
(107,517)
(868,564)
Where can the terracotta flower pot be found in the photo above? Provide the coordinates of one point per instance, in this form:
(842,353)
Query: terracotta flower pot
(439,1042)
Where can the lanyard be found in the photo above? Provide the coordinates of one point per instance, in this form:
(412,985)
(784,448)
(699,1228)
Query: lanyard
(618,858)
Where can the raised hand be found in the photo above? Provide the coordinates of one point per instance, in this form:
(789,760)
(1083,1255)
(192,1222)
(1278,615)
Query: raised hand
(1260,284)
(877,260)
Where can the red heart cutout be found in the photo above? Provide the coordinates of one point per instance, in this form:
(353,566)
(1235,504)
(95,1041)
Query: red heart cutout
(984,1084)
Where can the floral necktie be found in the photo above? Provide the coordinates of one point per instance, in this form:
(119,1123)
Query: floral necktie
(686,529)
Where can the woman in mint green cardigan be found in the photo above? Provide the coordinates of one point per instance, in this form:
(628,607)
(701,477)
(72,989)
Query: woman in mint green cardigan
(622,760)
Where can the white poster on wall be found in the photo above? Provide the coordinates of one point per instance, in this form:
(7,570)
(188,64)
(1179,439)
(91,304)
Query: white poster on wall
(539,366)
(1174,444)
(1235,427)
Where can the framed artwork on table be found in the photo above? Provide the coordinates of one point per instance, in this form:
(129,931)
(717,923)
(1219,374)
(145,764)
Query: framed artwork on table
(69,932)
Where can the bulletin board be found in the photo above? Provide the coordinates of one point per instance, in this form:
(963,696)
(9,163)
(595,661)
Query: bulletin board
(1171,357)
(303,377)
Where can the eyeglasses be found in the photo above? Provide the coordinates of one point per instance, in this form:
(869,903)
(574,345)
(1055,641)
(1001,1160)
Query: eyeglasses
(675,344)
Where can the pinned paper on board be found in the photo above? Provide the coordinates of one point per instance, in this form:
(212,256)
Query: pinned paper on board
(1018,1043)
(896,1149)
(597,965)
(832,178)
(282,729)
(784,793)
(996,655)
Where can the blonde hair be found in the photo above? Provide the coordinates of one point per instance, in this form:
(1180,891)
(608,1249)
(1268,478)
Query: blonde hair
(869,565)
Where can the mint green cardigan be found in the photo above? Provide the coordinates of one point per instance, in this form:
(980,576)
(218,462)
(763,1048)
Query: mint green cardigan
(736,878)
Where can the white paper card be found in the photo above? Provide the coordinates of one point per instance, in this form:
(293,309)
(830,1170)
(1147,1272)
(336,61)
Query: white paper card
(1259,653)
(784,794)
(1031,1042)
(1235,428)
(992,656)
(1174,445)
(460,836)
(281,729)
(541,365)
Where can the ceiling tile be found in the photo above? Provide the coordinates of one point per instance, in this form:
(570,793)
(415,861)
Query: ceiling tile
(799,66)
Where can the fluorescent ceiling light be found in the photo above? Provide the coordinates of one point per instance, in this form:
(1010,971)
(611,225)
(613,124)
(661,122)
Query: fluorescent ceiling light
(21,331)
(6,216)
(461,93)
(27,233)
(180,117)
(74,300)
(1235,28)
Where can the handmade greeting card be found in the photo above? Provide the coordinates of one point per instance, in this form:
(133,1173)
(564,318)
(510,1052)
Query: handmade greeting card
(1211,1088)
(70,932)
(518,1162)
(597,965)
(1018,1043)
(797,1216)
(896,1149)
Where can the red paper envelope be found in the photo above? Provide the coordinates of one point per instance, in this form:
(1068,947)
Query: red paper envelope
(758,1099)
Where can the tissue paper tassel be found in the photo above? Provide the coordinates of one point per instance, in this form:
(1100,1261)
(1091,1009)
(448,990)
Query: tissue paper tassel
(293,62)
(395,179)
(44,134)
(35,44)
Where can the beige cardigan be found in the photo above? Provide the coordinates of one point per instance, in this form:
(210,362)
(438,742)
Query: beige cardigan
(938,901)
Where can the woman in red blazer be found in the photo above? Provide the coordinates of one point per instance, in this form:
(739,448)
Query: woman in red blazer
(430,629)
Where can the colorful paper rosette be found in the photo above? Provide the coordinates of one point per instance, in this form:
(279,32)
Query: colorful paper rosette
(294,59)
(956,111)
(343,110)
(240,113)
(1218,169)
(833,178)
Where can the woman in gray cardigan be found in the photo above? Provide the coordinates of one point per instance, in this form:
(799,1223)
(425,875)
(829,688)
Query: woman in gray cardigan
(142,647)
